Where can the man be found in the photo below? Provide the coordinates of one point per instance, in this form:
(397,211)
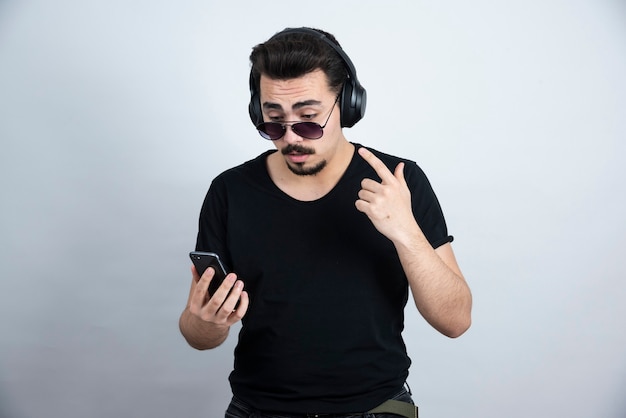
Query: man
(328,236)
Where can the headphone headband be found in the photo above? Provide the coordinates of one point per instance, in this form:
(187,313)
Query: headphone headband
(353,95)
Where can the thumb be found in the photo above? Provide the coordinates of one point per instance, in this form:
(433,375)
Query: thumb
(399,173)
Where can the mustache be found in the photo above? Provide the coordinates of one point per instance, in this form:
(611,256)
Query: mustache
(297,148)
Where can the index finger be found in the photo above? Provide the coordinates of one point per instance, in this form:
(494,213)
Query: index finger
(381,169)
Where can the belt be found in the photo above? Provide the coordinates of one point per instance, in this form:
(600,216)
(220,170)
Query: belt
(403,409)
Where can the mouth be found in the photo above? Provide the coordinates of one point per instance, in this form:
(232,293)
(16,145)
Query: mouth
(297,154)
(297,158)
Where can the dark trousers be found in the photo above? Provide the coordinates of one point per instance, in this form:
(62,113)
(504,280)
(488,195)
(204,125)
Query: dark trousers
(239,409)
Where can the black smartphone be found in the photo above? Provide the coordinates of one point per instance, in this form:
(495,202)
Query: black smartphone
(202,261)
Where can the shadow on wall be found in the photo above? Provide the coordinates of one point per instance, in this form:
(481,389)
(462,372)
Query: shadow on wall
(620,410)
(5,408)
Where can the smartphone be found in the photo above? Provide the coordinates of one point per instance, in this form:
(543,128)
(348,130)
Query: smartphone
(204,260)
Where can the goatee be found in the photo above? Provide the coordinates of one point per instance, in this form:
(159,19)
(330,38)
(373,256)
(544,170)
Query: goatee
(299,168)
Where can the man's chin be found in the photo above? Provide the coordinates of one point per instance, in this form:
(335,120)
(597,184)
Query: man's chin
(302,169)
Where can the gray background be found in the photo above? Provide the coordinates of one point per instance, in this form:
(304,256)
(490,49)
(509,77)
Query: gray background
(115,116)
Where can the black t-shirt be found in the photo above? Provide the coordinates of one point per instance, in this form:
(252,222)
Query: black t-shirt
(323,329)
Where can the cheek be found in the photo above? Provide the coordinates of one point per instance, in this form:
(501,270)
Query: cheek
(332,135)
(326,148)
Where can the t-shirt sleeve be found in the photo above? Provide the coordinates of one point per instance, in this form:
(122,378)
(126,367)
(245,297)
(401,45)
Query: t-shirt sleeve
(213,220)
(426,208)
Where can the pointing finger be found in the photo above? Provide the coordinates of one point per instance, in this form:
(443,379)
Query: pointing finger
(381,169)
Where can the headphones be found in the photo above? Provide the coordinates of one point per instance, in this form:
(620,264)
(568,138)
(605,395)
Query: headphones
(353,95)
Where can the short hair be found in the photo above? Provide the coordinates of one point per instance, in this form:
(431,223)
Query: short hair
(294,54)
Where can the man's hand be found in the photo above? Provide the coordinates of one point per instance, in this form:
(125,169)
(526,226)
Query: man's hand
(388,203)
(220,308)
(207,318)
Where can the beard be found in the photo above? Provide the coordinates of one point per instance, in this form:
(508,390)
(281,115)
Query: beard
(299,168)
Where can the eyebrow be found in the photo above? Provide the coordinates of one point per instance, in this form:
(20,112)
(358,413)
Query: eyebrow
(296,106)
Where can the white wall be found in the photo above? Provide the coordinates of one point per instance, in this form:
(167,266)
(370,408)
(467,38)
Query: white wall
(115,116)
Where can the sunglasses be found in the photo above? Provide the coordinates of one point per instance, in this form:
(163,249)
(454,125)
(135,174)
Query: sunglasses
(308,130)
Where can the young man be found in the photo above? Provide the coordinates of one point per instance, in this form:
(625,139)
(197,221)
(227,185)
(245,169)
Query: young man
(328,237)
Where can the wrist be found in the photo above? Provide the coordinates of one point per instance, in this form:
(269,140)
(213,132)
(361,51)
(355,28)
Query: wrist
(200,334)
(410,238)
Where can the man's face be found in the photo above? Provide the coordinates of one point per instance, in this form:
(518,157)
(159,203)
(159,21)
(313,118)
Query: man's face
(304,99)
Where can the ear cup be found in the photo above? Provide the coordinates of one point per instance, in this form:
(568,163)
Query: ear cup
(353,95)
(353,101)
(254,108)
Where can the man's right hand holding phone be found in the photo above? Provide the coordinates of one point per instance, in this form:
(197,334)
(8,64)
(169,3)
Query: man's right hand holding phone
(207,318)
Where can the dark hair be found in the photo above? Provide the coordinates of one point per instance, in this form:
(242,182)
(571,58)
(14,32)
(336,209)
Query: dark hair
(295,54)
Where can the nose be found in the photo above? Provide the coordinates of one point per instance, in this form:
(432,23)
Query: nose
(290,136)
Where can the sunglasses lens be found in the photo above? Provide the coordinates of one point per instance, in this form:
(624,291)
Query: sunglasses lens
(309,130)
(271,130)
(274,131)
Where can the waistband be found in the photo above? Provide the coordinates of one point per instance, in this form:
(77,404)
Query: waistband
(401,404)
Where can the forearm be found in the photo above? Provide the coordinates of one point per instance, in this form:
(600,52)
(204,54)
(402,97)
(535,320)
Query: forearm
(199,334)
(439,290)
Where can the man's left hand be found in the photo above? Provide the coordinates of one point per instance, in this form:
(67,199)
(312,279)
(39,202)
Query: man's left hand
(388,203)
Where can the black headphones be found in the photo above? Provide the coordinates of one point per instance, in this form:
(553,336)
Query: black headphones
(353,95)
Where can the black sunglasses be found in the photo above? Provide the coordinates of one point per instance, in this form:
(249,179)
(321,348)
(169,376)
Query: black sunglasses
(309,130)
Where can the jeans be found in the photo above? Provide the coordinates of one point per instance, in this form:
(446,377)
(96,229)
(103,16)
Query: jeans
(239,409)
